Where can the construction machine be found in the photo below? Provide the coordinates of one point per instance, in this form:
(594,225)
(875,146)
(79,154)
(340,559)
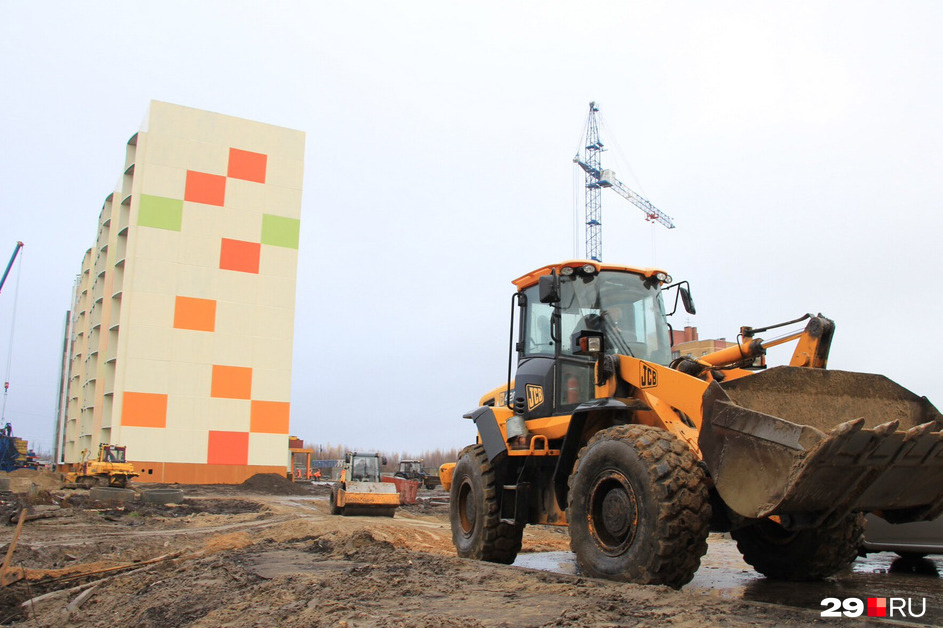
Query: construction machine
(413,470)
(110,468)
(430,477)
(642,453)
(410,470)
(360,490)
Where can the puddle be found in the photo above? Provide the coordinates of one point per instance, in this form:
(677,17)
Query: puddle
(723,573)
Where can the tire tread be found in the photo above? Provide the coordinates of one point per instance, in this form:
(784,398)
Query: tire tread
(500,542)
(683,509)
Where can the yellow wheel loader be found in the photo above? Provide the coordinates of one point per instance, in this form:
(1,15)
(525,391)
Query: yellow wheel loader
(109,469)
(642,453)
(360,490)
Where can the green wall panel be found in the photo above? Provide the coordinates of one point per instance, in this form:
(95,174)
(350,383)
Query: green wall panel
(279,231)
(160,212)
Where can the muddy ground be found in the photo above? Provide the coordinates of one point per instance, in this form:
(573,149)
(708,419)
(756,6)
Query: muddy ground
(268,553)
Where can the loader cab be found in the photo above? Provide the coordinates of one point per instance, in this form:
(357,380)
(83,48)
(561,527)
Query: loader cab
(623,309)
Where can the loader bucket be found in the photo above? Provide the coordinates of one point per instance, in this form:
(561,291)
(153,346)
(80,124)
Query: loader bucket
(820,444)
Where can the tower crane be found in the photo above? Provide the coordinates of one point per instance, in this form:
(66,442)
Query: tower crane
(596,179)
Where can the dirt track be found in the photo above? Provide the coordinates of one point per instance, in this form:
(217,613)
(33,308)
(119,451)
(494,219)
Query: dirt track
(269,553)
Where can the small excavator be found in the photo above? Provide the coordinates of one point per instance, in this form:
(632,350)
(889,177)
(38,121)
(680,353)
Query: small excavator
(109,469)
(642,453)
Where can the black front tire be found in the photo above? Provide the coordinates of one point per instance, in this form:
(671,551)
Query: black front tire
(802,555)
(477,529)
(638,507)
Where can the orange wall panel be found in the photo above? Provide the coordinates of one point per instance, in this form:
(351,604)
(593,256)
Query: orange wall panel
(231,382)
(196,314)
(191,473)
(144,410)
(209,189)
(270,417)
(247,165)
(240,256)
(228,448)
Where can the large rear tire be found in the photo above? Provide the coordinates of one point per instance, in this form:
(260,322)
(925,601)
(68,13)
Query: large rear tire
(812,554)
(638,507)
(477,529)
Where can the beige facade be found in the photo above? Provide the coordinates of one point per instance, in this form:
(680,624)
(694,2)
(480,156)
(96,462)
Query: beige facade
(181,327)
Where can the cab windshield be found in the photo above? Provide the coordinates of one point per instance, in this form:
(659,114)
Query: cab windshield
(114,455)
(365,469)
(624,306)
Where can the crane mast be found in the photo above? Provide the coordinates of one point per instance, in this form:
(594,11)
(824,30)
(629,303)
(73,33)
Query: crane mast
(596,178)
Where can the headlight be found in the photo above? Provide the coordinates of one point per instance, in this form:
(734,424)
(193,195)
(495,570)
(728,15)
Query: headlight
(566,271)
(663,277)
(589,269)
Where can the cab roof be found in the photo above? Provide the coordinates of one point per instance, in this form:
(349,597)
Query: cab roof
(530,279)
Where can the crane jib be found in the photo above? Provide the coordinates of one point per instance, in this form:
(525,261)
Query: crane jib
(598,178)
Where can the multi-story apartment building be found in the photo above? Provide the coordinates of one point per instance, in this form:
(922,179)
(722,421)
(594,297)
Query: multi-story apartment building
(179,340)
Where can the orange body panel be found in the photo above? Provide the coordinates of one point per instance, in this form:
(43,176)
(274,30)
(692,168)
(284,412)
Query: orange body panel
(354,498)
(525,281)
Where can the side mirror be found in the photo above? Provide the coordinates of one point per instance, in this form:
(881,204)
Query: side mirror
(383,461)
(686,300)
(549,288)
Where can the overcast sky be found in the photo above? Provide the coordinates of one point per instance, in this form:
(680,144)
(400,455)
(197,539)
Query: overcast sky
(797,145)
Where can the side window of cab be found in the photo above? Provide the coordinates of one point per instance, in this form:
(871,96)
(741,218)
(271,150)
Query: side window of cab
(537,339)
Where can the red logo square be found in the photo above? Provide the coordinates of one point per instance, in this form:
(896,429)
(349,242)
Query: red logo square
(877,607)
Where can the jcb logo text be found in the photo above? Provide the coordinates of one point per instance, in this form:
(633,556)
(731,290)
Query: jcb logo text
(535,396)
(648,377)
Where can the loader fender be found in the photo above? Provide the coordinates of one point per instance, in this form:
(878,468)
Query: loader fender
(616,411)
(491,436)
